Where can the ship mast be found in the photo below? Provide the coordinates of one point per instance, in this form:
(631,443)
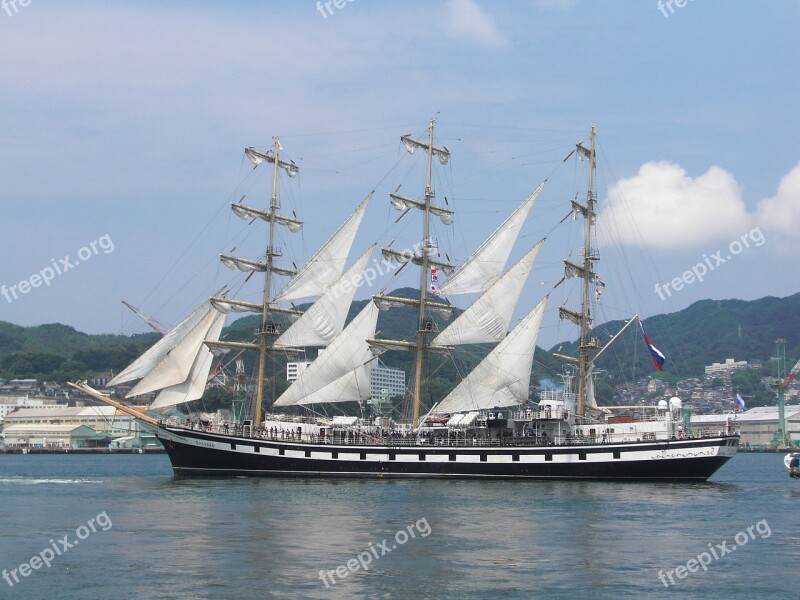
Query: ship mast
(267,331)
(425,261)
(427,247)
(585,271)
(589,257)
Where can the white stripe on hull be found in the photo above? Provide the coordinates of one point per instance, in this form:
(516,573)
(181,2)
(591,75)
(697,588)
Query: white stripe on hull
(562,454)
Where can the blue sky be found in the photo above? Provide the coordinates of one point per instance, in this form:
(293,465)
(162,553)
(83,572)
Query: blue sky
(128,120)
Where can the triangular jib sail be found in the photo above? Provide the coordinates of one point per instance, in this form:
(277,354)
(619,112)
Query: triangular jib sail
(195,384)
(174,368)
(147,361)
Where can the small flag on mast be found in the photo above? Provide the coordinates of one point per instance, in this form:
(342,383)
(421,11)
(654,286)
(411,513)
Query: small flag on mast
(655,353)
(738,404)
(599,286)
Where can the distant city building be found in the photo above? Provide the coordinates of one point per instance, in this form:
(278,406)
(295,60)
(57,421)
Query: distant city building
(757,426)
(654,385)
(8,404)
(381,378)
(726,368)
(387,378)
(63,426)
(100,381)
(50,436)
(23,385)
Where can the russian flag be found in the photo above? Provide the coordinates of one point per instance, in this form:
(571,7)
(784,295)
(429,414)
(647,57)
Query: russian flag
(738,404)
(655,353)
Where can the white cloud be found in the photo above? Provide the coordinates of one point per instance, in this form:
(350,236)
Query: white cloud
(781,212)
(663,207)
(466,19)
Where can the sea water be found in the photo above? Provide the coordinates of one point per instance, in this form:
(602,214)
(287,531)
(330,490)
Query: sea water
(121,526)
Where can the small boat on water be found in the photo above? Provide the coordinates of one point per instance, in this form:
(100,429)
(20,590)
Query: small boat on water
(484,427)
(792,462)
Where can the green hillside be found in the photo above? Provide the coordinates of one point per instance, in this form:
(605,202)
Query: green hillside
(705,332)
(59,352)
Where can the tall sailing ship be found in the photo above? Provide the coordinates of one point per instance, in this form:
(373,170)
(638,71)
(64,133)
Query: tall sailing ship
(484,428)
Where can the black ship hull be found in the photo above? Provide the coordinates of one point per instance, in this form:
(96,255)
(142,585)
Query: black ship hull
(199,453)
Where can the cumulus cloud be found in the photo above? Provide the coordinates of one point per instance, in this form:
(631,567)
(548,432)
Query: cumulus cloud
(664,207)
(467,20)
(781,212)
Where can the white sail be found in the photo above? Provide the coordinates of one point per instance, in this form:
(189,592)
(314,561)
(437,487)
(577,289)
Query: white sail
(246,212)
(591,401)
(145,363)
(195,384)
(487,319)
(502,378)
(174,367)
(324,319)
(486,264)
(327,265)
(353,386)
(243,264)
(347,352)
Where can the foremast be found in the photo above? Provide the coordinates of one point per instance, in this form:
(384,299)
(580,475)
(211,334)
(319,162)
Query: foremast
(267,332)
(587,345)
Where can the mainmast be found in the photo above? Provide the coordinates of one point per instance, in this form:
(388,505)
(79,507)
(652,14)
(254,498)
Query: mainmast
(585,271)
(424,259)
(427,247)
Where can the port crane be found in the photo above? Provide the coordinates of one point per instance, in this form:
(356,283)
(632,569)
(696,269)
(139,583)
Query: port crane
(782,438)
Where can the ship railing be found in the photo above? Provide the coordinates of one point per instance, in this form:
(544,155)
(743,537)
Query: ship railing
(403,439)
(541,414)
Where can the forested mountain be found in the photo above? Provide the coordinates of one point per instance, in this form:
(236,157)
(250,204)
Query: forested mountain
(705,332)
